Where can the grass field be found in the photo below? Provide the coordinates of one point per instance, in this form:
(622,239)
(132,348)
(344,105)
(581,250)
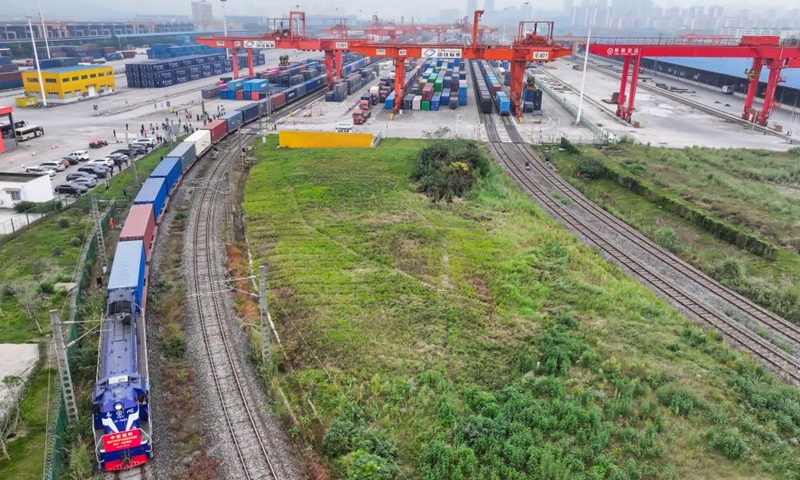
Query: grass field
(478,339)
(756,190)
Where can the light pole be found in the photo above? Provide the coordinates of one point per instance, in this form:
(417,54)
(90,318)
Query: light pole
(36,58)
(458,117)
(225,26)
(505,15)
(583,77)
(44,31)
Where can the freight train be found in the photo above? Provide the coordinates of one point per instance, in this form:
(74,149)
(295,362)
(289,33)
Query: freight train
(120,405)
(488,90)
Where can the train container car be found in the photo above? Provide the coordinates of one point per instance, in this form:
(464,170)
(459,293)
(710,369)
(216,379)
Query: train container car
(201,140)
(264,106)
(120,410)
(170,170)
(185,152)
(217,128)
(249,112)
(153,192)
(234,120)
(503,103)
(140,224)
(127,279)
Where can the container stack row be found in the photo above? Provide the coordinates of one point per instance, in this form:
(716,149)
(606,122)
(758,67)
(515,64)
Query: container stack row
(438,84)
(163,51)
(163,73)
(356,74)
(85,53)
(10,76)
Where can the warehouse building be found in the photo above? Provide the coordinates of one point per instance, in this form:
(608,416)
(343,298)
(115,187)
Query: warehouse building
(70,84)
(24,187)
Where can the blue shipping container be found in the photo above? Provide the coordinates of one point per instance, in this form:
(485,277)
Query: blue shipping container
(153,192)
(170,170)
(249,112)
(127,273)
(234,119)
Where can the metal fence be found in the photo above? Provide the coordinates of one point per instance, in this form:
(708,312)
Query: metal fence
(56,431)
(600,134)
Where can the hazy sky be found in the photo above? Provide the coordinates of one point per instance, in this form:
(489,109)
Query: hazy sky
(74,9)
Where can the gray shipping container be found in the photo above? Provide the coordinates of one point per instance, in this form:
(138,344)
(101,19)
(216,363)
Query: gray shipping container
(209,93)
(185,152)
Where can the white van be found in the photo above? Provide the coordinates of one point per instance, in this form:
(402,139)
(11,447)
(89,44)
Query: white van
(82,155)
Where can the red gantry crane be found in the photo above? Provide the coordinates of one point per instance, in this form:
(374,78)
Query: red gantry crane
(766,51)
(534,43)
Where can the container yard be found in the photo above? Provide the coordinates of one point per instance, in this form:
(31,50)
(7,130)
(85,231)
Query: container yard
(164,73)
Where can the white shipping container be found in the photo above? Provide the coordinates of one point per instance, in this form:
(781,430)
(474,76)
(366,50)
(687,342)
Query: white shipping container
(417,102)
(374,90)
(202,141)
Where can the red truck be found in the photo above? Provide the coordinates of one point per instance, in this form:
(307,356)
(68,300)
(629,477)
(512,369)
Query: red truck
(360,116)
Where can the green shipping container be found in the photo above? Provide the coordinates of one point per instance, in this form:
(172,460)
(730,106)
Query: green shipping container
(437,87)
(426,105)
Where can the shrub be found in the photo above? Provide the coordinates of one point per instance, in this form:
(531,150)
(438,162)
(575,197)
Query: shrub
(449,168)
(175,345)
(679,399)
(590,167)
(56,252)
(729,444)
(33,207)
(63,222)
(76,242)
(667,238)
(559,350)
(569,147)
(361,465)
(338,438)
(47,287)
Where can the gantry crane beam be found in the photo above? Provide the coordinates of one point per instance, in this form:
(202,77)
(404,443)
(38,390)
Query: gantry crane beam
(534,43)
(766,51)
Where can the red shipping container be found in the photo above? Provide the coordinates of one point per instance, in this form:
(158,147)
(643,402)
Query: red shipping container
(140,225)
(218,129)
(278,100)
(239,95)
(253,95)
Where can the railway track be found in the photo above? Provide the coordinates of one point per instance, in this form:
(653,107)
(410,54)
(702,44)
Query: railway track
(139,473)
(723,115)
(240,414)
(514,154)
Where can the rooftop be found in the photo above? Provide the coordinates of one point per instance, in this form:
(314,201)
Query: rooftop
(18,177)
(74,68)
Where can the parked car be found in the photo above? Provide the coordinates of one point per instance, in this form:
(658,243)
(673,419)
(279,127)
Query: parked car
(106,162)
(57,165)
(40,171)
(98,170)
(87,182)
(65,162)
(119,158)
(71,189)
(137,150)
(71,160)
(81,155)
(150,142)
(72,176)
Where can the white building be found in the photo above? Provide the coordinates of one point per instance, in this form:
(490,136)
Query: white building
(24,187)
(202,15)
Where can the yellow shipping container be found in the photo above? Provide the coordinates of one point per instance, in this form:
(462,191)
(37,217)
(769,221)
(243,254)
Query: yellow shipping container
(23,102)
(69,84)
(294,139)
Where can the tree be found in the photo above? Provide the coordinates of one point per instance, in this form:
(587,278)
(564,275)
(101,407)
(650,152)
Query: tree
(31,301)
(14,383)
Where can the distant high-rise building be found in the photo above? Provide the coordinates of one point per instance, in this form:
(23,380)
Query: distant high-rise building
(448,16)
(202,15)
(472,5)
(569,5)
(715,11)
(488,6)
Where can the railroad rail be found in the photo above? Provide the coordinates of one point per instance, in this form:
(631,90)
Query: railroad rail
(515,153)
(239,415)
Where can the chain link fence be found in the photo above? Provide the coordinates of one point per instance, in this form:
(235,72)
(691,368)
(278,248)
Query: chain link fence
(55,453)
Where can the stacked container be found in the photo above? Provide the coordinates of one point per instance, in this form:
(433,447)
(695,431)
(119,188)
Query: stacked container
(170,170)
(153,192)
(140,224)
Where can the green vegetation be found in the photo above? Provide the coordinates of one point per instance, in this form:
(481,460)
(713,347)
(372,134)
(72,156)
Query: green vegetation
(478,339)
(26,446)
(449,168)
(711,207)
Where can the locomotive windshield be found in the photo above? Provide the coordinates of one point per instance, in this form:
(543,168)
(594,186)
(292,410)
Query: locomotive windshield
(122,306)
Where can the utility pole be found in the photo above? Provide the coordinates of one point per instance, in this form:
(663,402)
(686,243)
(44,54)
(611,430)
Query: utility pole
(63,367)
(36,58)
(265,319)
(44,32)
(101,243)
(132,156)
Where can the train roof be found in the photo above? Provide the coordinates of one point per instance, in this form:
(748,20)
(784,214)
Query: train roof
(127,267)
(150,190)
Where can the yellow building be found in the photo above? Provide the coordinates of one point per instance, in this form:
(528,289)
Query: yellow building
(70,84)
